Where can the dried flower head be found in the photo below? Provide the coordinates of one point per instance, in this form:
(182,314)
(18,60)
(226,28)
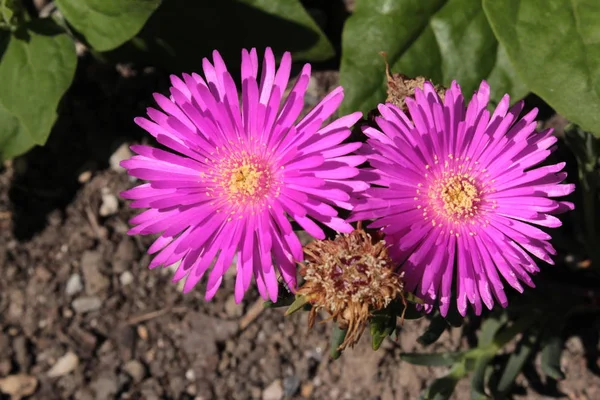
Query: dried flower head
(400,86)
(349,277)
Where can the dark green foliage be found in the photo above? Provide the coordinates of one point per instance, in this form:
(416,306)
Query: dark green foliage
(38,59)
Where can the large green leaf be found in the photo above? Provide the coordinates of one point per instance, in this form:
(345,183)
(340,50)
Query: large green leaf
(179,40)
(36,69)
(293,12)
(555,47)
(443,40)
(107,24)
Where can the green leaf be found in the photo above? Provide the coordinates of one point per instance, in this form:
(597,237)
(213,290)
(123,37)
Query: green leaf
(453,318)
(282,301)
(411,298)
(36,69)
(412,312)
(481,373)
(442,388)
(515,363)
(337,338)
(442,40)
(381,326)
(490,327)
(294,13)
(550,359)
(6,13)
(433,359)
(585,148)
(552,346)
(299,302)
(507,333)
(107,24)
(555,47)
(437,326)
(178,40)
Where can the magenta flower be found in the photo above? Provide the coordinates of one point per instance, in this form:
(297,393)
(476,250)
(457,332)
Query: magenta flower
(241,174)
(460,194)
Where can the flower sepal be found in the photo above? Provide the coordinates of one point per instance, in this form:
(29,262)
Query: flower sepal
(338,338)
(300,302)
(383,323)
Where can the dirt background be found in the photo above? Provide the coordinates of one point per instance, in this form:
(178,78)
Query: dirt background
(82,318)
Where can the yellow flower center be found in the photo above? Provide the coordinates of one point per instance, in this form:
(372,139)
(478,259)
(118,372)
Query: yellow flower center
(239,180)
(460,196)
(245,179)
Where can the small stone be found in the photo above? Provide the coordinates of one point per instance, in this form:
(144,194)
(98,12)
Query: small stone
(74,285)
(5,367)
(21,353)
(91,265)
(126,278)
(274,391)
(105,386)
(255,392)
(124,255)
(18,386)
(80,48)
(334,393)
(85,340)
(84,177)
(151,389)
(574,345)
(177,386)
(170,269)
(84,394)
(86,304)
(224,363)
(190,375)
(142,332)
(135,370)
(232,309)
(307,389)
(42,274)
(122,153)
(312,92)
(109,206)
(16,305)
(64,365)
(291,385)
(191,389)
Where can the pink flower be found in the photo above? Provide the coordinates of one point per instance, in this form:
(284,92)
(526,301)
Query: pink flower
(460,194)
(238,174)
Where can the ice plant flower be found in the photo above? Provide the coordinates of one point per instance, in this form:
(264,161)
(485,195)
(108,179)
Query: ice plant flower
(349,277)
(236,174)
(459,193)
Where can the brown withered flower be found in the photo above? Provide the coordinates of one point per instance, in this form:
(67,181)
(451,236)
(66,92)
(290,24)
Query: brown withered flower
(349,277)
(400,86)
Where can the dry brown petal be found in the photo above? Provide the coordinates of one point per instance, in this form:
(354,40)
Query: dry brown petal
(349,277)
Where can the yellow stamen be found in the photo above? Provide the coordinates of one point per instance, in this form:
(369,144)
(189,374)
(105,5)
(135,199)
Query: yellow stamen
(460,196)
(245,179)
